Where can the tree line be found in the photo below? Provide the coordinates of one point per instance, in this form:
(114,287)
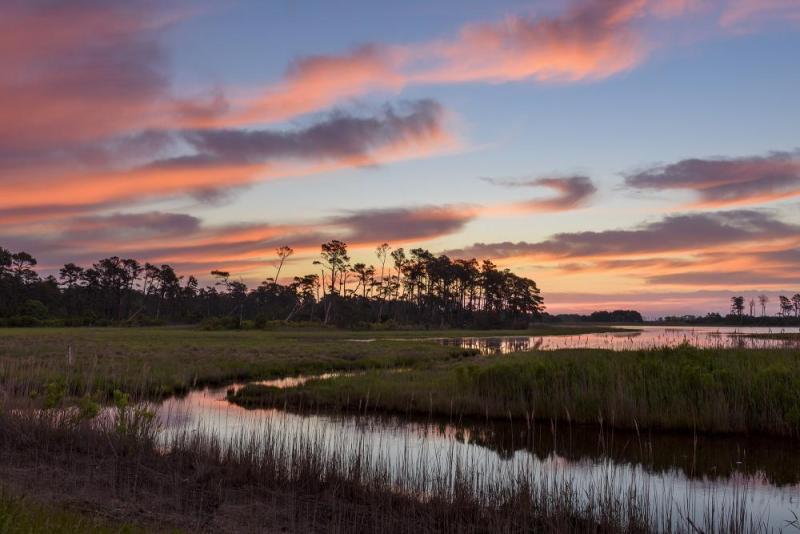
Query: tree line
(752,311)
(414,287)
(787,306)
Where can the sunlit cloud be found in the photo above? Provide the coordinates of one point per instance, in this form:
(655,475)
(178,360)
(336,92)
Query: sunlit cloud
(726,181)
(74,72)
(209,160)
(184,240)
(590,40)
(675,233)
(572,192)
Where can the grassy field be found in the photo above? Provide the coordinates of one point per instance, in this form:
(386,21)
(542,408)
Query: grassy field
(683,388)
(163,361)
(74,467)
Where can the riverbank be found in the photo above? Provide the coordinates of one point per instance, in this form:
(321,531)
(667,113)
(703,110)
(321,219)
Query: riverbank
(682,388)
(277,482)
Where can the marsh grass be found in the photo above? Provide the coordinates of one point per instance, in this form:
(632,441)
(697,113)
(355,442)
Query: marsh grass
(77,425)
(278,479)
(682,388)
(158,362)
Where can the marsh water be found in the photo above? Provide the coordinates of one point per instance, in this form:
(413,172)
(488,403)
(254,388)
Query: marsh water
(633,338)
(682,474)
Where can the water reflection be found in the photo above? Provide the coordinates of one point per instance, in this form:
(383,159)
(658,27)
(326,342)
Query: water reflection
(686,468)
(295,381)
(647,337)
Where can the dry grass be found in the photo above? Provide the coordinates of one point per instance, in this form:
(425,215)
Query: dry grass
(277,481)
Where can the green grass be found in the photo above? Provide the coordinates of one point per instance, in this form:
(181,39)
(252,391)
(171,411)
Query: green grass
(24,516)
(162,361)
(683,388)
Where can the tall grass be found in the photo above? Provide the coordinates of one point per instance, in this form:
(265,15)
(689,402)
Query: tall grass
(280,479)
(162,362)
(68,432)
(681,388)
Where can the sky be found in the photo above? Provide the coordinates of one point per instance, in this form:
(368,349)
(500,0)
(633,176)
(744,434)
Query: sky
(623,153)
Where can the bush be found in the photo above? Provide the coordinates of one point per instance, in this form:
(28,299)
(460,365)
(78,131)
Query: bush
(34,308)
(221,323)
(23,321)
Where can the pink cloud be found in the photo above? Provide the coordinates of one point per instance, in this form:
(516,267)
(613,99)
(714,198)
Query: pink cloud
(591,40)
(738,13)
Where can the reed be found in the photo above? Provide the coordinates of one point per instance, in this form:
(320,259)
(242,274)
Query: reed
(277,479)
(681,388)
(165,361)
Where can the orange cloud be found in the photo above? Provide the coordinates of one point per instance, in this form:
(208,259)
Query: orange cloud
(223,159)
(183,240)
(593,39)
(317,82)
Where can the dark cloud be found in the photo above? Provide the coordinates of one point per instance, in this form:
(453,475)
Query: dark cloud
(339,136)
(723,181)
(673,233)
(152,222)
(183,239)
(403,224)
(573,191)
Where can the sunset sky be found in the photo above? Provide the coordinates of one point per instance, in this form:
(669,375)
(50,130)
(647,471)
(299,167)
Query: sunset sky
(622,153)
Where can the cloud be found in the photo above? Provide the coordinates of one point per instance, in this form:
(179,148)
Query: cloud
(339,136)
(404,225)
(592,39)
(130,226)
(735,250)
(78,71)
(727,181)
(207,161)
(316,82)
(738,13)
(91,118)
(185,241)
(573,192)
(675,233)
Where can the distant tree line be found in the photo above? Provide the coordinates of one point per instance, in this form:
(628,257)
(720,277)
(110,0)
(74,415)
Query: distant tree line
(616,316)
(754,311)
(405,288)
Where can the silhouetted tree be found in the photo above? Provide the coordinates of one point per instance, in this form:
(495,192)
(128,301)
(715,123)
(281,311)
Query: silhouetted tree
(737,305)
